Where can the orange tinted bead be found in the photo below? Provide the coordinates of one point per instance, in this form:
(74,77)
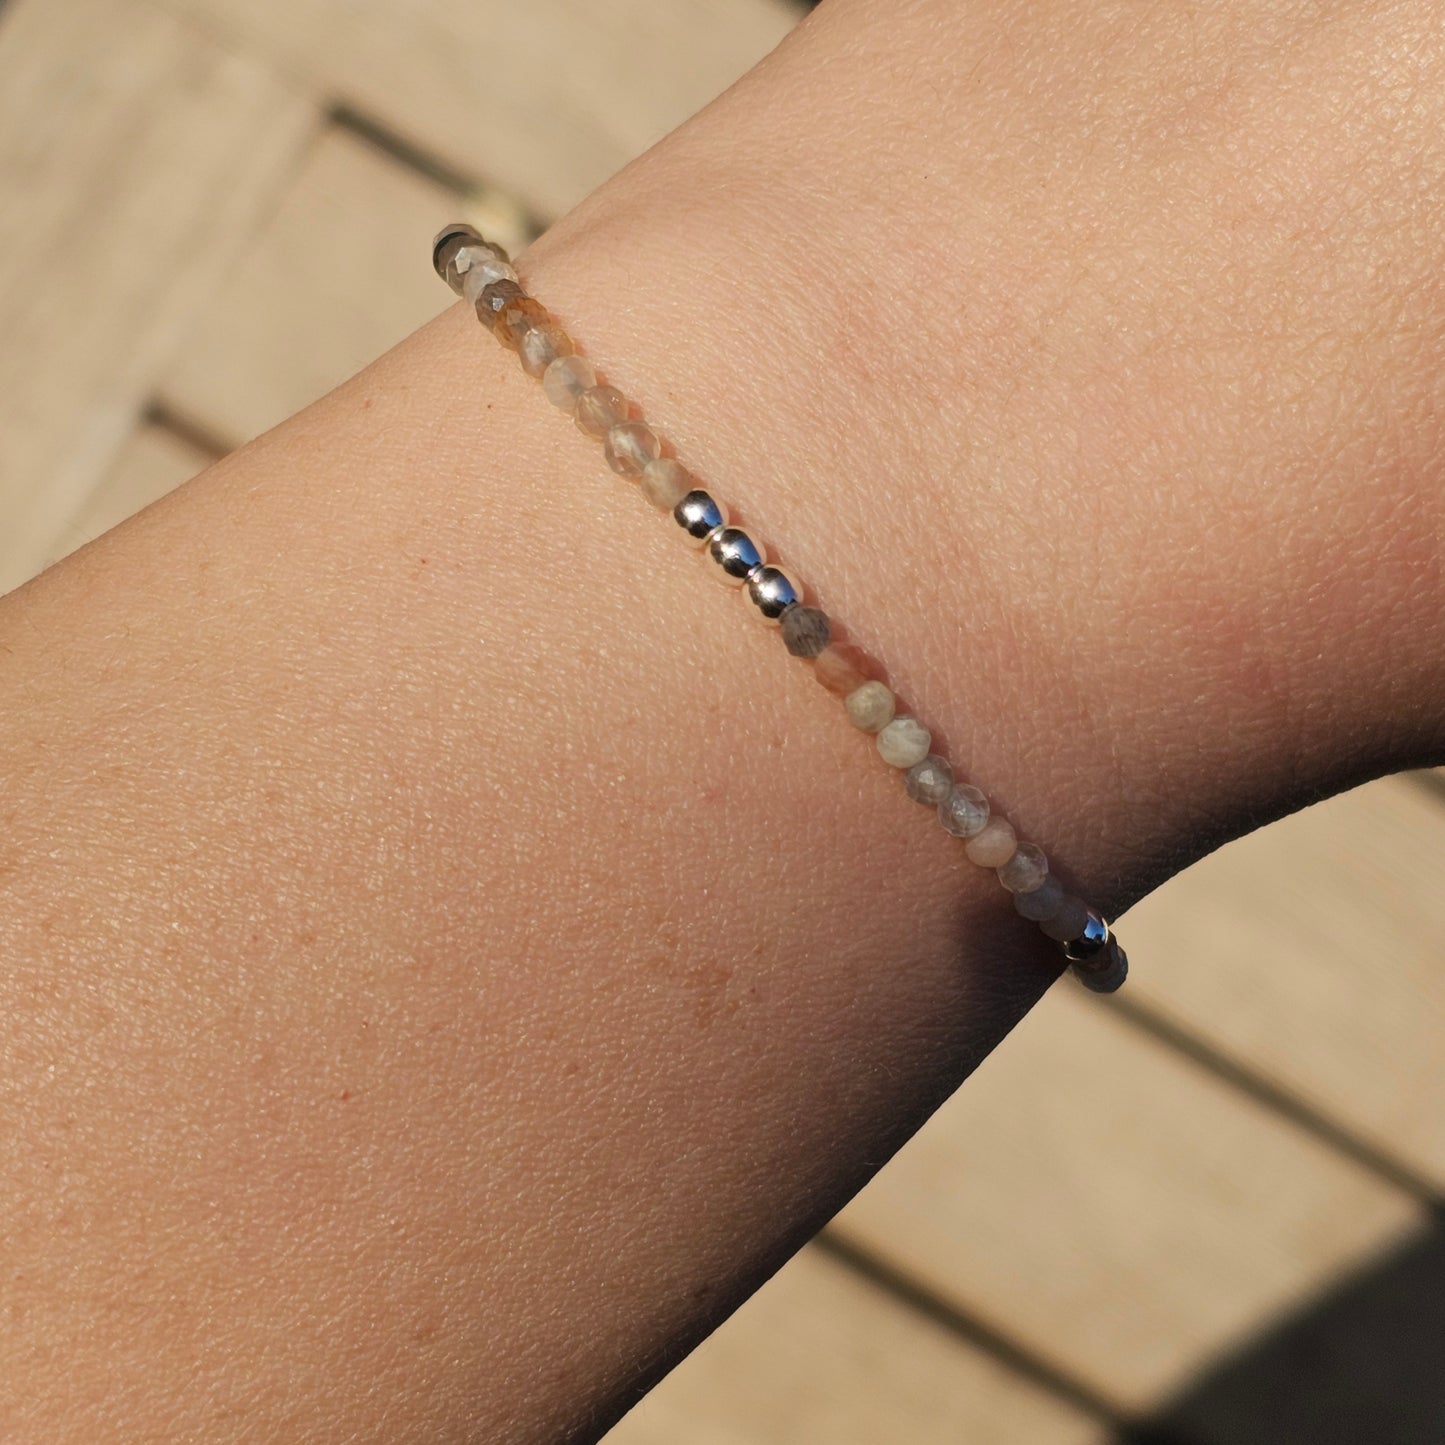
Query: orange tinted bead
(841,668)
(516,317)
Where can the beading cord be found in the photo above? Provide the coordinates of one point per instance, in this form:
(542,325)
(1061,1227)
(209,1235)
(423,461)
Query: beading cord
(481,272)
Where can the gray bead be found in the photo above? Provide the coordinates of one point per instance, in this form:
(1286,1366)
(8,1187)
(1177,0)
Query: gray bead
(665,482)
(699,514)
(1026,870)
(735,553)
(629,446)
(1068,922)
(929,781)
(772,592)
(599,408)
(805,630)
(445,246)
(964,812)
(1040,904)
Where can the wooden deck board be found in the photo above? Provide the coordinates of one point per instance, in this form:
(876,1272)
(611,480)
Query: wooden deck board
(135,155)
(1313,953)
(1115,1209)
(152,462)
(544,99)
(819,1354)
(340,272)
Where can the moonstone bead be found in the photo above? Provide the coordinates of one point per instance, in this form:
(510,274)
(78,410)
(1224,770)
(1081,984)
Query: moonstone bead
(539,346)
(870,706)
(1025,870)
(566,379)
(1040,903)
(665,482)
(599,409)
(1068,923)
(483,267)
(629,446)
(964,811)
(903,742)
(495,297)
(841,668)
(929,781)
(993,845)
(805,630)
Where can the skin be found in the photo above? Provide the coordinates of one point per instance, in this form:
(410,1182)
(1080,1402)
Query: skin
(452,954)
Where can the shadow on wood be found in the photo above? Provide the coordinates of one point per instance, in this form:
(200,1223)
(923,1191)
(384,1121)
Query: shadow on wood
(1366,1362)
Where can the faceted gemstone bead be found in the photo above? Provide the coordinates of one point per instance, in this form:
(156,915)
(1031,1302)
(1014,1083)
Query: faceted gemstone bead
(495,297)
(993,845)
(566,379)
(444,256)
(964,811)
(539,346)
(805,630)
(903,742)
(772,591)
(1106,970)
(699,514)
(1025,870)
(665,482)
(870,706)
(1068,923)
(735,553)
(1041,903)
(478,267)
(599,409)
(929,781)
(516,317)
(454,250)
(629,446)
(841,668)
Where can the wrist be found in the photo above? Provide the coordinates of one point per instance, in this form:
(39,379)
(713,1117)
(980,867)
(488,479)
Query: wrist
(1045,458)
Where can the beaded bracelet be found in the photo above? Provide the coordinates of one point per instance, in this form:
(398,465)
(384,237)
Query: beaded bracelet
(481,272)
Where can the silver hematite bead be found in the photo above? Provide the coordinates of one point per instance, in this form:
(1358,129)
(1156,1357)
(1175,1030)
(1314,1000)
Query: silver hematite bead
(1090,941)
(699,514)
(735,553)
(772,592)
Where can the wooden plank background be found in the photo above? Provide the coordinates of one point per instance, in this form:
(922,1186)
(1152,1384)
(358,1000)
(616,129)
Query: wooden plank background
(1137,1204)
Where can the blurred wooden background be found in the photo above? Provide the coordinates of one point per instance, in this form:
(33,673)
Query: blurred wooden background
(1206,1213)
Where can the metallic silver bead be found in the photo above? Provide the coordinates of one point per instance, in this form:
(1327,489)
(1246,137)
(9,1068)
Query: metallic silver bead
(1090,941)
(772,591)
(735,553)
(699,514)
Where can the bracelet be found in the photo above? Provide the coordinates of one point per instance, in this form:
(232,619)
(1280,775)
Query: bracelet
(481,272)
